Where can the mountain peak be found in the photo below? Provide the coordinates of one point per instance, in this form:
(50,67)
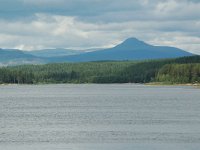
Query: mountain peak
(133,39)
(132,42)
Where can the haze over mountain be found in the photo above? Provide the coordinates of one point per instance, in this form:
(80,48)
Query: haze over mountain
(15,57)
(54,52)
(130,49)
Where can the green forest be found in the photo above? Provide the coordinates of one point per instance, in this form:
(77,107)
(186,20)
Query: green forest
(172,71)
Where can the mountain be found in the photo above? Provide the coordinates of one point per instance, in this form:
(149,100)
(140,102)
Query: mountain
(130,49)
(17,57)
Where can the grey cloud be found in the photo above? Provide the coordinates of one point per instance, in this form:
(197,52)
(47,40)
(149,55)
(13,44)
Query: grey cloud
(104,10)
(35,24)
(49,31)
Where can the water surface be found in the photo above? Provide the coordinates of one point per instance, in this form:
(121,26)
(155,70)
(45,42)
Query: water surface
(96,117)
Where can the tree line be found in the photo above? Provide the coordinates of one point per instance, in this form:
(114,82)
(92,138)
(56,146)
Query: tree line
(180,70)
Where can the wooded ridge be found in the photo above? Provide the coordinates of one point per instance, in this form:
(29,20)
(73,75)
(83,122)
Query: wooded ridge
(180,70)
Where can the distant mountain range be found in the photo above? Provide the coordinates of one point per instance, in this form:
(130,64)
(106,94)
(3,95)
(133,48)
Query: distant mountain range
(130,49)
(16,57)
(58,52)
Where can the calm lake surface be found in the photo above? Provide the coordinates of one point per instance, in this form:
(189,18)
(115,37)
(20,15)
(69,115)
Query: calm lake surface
(99,117)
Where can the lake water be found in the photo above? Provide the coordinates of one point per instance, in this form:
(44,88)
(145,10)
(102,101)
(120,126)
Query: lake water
(99,117)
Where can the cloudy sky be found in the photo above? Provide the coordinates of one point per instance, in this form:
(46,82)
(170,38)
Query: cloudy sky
(38,24)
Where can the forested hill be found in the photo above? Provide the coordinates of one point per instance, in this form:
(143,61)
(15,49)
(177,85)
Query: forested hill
(180,70)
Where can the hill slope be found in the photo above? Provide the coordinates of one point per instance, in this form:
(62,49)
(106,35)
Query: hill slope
(131,49)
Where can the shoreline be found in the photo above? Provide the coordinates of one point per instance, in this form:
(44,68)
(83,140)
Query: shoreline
(172,84)
(146,84)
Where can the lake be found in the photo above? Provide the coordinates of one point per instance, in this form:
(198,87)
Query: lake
(99,117)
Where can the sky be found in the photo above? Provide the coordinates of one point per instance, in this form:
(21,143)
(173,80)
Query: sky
(83,24)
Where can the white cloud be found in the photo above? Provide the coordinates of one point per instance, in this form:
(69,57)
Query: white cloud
(177,10)
(167,7)
(52,31)
(177,39)
(99,23)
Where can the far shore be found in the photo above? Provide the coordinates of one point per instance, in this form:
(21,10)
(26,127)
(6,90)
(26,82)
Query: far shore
(148,84)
